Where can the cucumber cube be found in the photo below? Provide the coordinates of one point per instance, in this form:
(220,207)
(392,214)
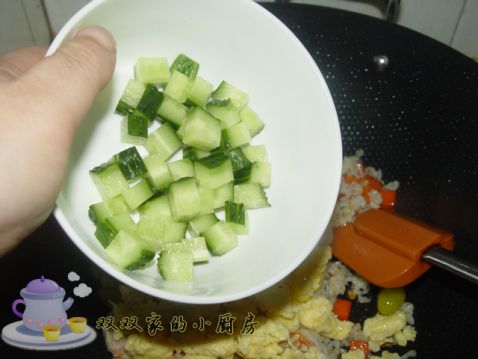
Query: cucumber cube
(132,94)
(172,111)
(223,194)
(105,232)
(156,207)
(251,194)
(238,135)
(251,120)
(178,86)
(200,91)
(203,223)
(137,194)
(134,128)
(176,266)
(152,70)
(109,180)
(214,177)
(185,65)
(98,212)
(201,130)
(128,251)
(184,199)
(150,101)
(261,174)
(194,154)
(181,169)
(122,222)
(239,160)
(157,231)
(206,195)
(256,153)
(158,171)
(196,245)
(130,163)
(220,238)
(224,111)
(163,141)
(236,217)
(227,91)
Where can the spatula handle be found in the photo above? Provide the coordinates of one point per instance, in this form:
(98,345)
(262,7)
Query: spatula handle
(447,260)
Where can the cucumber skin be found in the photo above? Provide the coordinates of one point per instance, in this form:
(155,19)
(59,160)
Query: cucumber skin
(145,257)
(105,233)
(185,65)
(150,101)
(130,163)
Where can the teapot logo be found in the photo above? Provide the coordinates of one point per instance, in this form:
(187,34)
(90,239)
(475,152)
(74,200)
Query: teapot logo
(44,323)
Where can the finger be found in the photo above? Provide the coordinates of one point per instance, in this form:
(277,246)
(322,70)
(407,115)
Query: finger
(16,62)
(67,82)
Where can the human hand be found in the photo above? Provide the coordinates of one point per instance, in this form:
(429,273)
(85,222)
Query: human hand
(42,102)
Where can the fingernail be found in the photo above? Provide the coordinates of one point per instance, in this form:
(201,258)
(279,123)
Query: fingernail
(100,35)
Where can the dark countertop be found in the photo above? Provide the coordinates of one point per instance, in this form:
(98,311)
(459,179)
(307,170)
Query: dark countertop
(416,119)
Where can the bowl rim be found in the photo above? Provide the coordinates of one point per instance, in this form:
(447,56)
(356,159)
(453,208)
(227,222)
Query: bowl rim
(65,33)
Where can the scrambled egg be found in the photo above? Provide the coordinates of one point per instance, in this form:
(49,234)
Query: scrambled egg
(280,312)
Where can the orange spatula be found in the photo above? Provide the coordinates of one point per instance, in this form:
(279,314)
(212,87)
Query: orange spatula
(391,251)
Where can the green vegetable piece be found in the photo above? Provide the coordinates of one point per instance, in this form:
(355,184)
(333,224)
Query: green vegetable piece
(150,101)
(215,159)
(105,232)
(186,66)
(238,159)
(137,124)
(390,300)
(123,108)
(130,163)
(235,213)
(243,175)
(145,257)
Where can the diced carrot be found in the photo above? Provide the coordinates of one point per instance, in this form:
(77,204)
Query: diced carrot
(359,345)
(370,183)
(351,179)
(388,198)
(342,308)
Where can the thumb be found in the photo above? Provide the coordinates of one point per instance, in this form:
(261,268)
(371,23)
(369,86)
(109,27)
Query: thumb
(67,82)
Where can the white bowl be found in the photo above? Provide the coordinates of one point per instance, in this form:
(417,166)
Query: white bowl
(239,41)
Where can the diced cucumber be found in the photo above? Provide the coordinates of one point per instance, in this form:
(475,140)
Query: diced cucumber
(225,144)
(236,217)
(134,128)
(214,177)
(252,121)
(159,230)
(163,141)
(256,153)
(135,195)
(196,245)
(130,163)
(200,91)
(243,175)
(238,159)
(194,154)
(150,101)
(220,238)
(184,199)
(185,65)
(100,211)
(176,266)
(172,111)
(224,111)
(156,207)
(122,222)
(227,91)
(201,130)
(181,169)
(206,196)
(152,70)
(261,174)
(158,171)
(105,232)
(203,223)
(131,96)
(127,251)
(251,194)
(109,180)
(178,86)
(223,194)
(215,159)
(238,135)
